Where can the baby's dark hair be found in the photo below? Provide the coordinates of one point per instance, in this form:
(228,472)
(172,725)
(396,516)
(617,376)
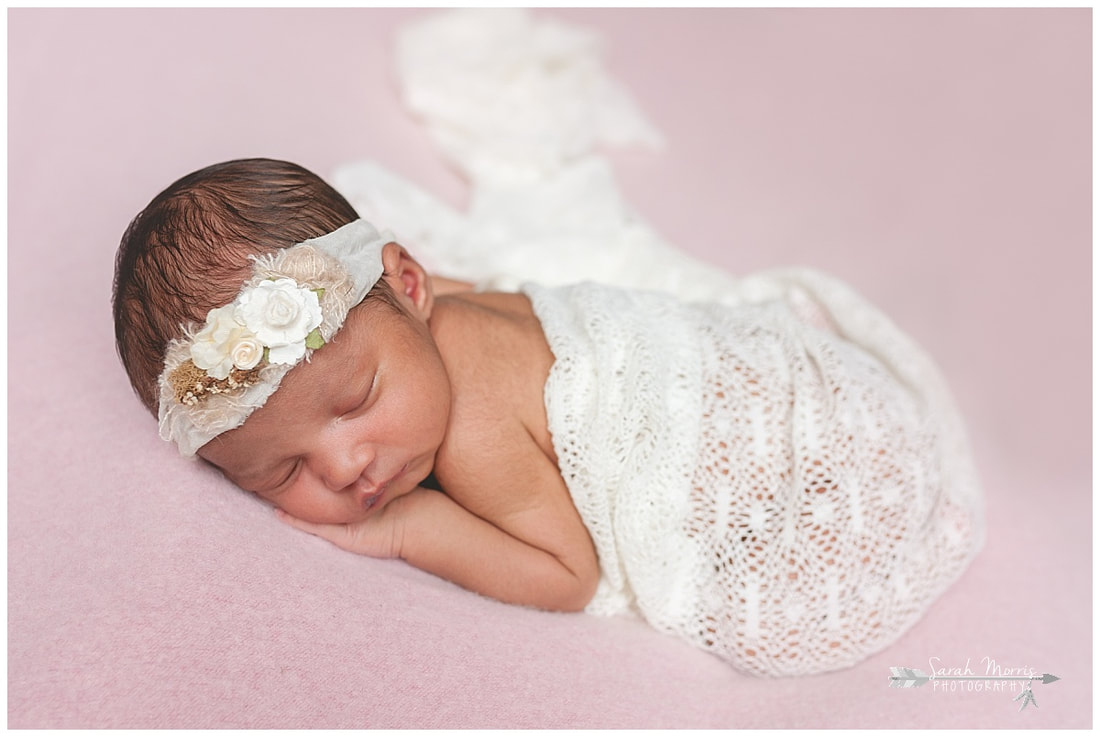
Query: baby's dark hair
(188,251)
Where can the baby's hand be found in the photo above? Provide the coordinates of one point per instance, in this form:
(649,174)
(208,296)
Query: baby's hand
(377,536)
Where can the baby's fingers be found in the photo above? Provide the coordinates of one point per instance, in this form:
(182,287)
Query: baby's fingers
(356,538)
(337,534)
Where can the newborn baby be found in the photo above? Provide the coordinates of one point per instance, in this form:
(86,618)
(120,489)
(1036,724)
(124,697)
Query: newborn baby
(784,483)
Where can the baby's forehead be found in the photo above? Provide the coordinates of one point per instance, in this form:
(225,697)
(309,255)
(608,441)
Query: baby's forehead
(367,328)
(330,377)
(331,371)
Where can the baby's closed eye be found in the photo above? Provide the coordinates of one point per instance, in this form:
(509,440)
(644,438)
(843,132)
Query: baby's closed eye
(279,482)
(359,401)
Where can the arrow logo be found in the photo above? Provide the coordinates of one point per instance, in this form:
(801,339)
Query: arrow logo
(915,678)
(907,678)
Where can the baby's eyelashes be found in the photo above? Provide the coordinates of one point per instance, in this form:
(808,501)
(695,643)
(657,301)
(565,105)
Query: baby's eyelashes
(281,484)
(359,402)
(356,410)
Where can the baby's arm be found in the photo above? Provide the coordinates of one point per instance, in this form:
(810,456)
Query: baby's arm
(448,540)
(526,543)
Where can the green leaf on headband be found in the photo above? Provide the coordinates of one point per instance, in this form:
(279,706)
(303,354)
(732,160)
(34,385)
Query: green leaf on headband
(267,354)
(319,291)
(314,339)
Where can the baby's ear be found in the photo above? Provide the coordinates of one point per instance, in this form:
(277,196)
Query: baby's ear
(407,277)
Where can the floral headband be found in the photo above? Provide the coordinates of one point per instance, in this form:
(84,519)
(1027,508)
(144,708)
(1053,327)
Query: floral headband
(294,302)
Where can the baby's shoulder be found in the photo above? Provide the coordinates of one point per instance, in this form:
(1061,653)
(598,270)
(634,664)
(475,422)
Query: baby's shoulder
(498,360)
(490,341)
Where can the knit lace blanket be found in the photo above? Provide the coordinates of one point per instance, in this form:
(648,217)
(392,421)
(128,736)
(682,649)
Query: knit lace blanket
(783,482)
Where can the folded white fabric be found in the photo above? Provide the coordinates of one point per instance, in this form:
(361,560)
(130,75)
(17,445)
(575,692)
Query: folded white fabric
(519,104)
(505,94)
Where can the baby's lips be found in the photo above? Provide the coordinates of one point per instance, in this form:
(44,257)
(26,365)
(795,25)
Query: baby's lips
(371,499)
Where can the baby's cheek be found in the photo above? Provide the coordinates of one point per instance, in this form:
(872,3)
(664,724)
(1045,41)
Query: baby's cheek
(320,509)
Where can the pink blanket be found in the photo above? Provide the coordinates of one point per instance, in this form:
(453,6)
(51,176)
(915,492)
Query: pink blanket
(936,160)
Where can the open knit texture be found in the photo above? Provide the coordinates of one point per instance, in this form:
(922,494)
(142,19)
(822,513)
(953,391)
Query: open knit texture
(785,483)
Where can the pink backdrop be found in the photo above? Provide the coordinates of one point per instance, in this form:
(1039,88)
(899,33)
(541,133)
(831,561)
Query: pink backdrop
(940,161)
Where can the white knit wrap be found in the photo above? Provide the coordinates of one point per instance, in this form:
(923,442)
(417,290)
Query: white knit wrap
(784,482)
(345,263)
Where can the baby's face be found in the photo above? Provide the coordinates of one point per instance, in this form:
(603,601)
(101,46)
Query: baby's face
(349,431)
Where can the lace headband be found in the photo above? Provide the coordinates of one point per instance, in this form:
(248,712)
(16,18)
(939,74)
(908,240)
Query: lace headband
(294,302)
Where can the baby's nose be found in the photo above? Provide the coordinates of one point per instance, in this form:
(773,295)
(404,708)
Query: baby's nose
(343,466)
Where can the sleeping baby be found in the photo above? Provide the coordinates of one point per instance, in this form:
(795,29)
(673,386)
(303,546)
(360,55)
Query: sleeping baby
(782,480)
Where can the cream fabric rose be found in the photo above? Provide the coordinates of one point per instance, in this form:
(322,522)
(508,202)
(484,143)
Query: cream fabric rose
(280,314)
(246,352)
(213,345)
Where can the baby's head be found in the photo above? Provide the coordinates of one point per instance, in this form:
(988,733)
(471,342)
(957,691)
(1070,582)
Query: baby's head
(189,251)
(229,281)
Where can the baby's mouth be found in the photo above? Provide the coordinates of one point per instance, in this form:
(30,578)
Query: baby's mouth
(371,499)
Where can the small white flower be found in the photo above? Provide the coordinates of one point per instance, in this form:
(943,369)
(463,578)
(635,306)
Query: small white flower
(289,354)
(280,314)
(246,352)
(213,344)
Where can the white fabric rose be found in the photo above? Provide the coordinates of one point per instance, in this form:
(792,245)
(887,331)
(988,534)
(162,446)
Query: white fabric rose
(280,314)
(213,344)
